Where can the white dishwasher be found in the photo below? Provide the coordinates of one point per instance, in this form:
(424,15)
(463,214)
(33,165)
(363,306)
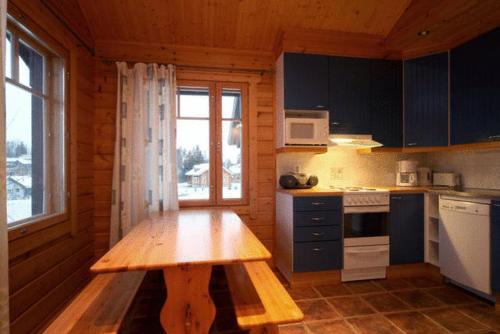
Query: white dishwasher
(464,241)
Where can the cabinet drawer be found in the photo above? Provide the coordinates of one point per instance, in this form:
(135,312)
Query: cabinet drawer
(319,203)
(317,256)
(317,218)
(366,256)
(320,233)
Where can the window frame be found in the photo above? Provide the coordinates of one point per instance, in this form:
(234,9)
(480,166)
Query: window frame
(215,89)
(52,51)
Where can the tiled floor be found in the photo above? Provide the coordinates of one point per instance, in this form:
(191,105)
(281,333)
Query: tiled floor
(416,305)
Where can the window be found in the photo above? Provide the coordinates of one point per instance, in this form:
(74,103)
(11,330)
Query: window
(211,143)
(35,140)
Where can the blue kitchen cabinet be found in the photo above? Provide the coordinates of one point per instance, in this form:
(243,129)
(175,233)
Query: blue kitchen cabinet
(495,245)
(475,99)
(305,81)
(386,102)
(317,233)
(349,95)
(426,101)
(406,228)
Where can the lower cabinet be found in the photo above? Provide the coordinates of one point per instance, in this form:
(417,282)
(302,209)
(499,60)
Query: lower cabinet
(317,233)
(406,229)
(495,246)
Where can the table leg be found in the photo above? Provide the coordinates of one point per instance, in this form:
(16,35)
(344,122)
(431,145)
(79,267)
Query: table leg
(189,309)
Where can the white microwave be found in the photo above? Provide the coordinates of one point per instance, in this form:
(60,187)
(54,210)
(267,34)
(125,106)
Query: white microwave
(306,131)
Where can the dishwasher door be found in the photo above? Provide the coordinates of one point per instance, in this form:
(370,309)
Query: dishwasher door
(464,243)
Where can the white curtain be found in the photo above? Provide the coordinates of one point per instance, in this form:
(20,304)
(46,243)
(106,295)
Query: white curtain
(4,259)
(144,172)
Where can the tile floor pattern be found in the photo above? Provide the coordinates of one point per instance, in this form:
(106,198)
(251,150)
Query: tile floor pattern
(415,305)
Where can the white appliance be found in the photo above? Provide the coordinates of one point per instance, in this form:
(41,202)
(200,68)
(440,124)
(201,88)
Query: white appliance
(366,233)
(306,127)
(464,242)
(406,174)
(424,176)
(449,180)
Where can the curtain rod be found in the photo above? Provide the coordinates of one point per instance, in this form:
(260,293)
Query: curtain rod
(201,67)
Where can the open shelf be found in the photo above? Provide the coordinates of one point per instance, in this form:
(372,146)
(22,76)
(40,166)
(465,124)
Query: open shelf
(302,149)
(434,253)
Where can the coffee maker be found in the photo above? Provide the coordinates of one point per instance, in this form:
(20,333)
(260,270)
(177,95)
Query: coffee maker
(406,174)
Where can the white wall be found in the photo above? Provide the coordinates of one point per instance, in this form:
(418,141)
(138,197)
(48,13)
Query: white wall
(346,167)
(479,169)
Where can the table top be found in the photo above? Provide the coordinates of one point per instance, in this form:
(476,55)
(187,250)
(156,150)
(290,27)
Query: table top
(184,237)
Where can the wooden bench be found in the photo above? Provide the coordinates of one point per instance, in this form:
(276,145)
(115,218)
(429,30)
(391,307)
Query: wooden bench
(101,306)
(261,302)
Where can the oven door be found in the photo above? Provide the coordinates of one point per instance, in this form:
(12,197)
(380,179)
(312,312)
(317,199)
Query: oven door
(366,224)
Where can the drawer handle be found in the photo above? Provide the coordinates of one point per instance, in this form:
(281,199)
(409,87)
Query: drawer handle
(320,106)
(317,219)
(317,250)
(318,203)
(496,205)
(335,123)
(318,234)
(396,197)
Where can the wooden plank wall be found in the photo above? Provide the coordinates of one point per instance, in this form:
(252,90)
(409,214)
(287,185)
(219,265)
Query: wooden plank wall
(261,222)
(48,266)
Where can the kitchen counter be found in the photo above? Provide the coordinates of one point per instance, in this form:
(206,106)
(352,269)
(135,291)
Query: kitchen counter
(467,192)
(333,192)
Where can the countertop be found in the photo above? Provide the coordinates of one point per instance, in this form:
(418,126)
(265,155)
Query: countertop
(467,192)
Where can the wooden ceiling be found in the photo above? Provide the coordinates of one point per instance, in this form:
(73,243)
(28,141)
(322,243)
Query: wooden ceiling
(262,25)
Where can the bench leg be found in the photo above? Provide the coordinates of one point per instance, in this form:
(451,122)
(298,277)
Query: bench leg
(268,329)
(189,308)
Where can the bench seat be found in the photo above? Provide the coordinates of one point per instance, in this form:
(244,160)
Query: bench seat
(260,300)
(101,306)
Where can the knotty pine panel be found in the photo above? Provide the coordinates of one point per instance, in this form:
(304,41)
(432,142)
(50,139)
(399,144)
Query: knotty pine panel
(48,266)
(105,87)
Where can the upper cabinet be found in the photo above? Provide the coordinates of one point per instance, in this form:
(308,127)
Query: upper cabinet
(386,102)
(349,97)
(426,101)
(305,81)
(475,90)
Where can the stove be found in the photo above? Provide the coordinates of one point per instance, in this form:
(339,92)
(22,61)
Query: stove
(366,233)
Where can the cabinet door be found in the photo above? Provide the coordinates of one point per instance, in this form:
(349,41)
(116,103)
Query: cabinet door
(306,81)
(386,102)
(407,229)
(495,246)
(349,95)
(426,101)
(475,82)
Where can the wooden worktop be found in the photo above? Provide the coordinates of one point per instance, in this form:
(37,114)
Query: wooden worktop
(332,192)
(185,237)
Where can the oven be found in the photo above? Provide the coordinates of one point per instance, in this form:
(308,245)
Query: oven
(366,235)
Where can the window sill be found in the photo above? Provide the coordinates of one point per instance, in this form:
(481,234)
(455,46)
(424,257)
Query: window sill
(30,226)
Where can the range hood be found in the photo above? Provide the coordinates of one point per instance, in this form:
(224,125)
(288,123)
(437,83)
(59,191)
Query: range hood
(353,141)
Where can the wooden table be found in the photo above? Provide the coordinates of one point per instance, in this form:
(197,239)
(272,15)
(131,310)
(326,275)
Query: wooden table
(185,245)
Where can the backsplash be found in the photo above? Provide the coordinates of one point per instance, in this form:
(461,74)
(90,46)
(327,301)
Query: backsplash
(346,167)
(479,169)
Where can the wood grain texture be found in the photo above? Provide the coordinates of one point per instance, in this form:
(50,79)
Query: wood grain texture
(258,296)
(185,237)
(47,266)
(189,309)
(100,307)
(258,215)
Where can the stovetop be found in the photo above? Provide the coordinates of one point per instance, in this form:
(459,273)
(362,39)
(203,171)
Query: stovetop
(359,190)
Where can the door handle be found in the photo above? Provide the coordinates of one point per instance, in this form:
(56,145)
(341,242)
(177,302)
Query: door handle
(317,250)
(396,197)
(317,219)
(494,137)
(411,144)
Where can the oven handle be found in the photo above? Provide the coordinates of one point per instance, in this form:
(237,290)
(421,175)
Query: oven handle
(366,209)
(380,250)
